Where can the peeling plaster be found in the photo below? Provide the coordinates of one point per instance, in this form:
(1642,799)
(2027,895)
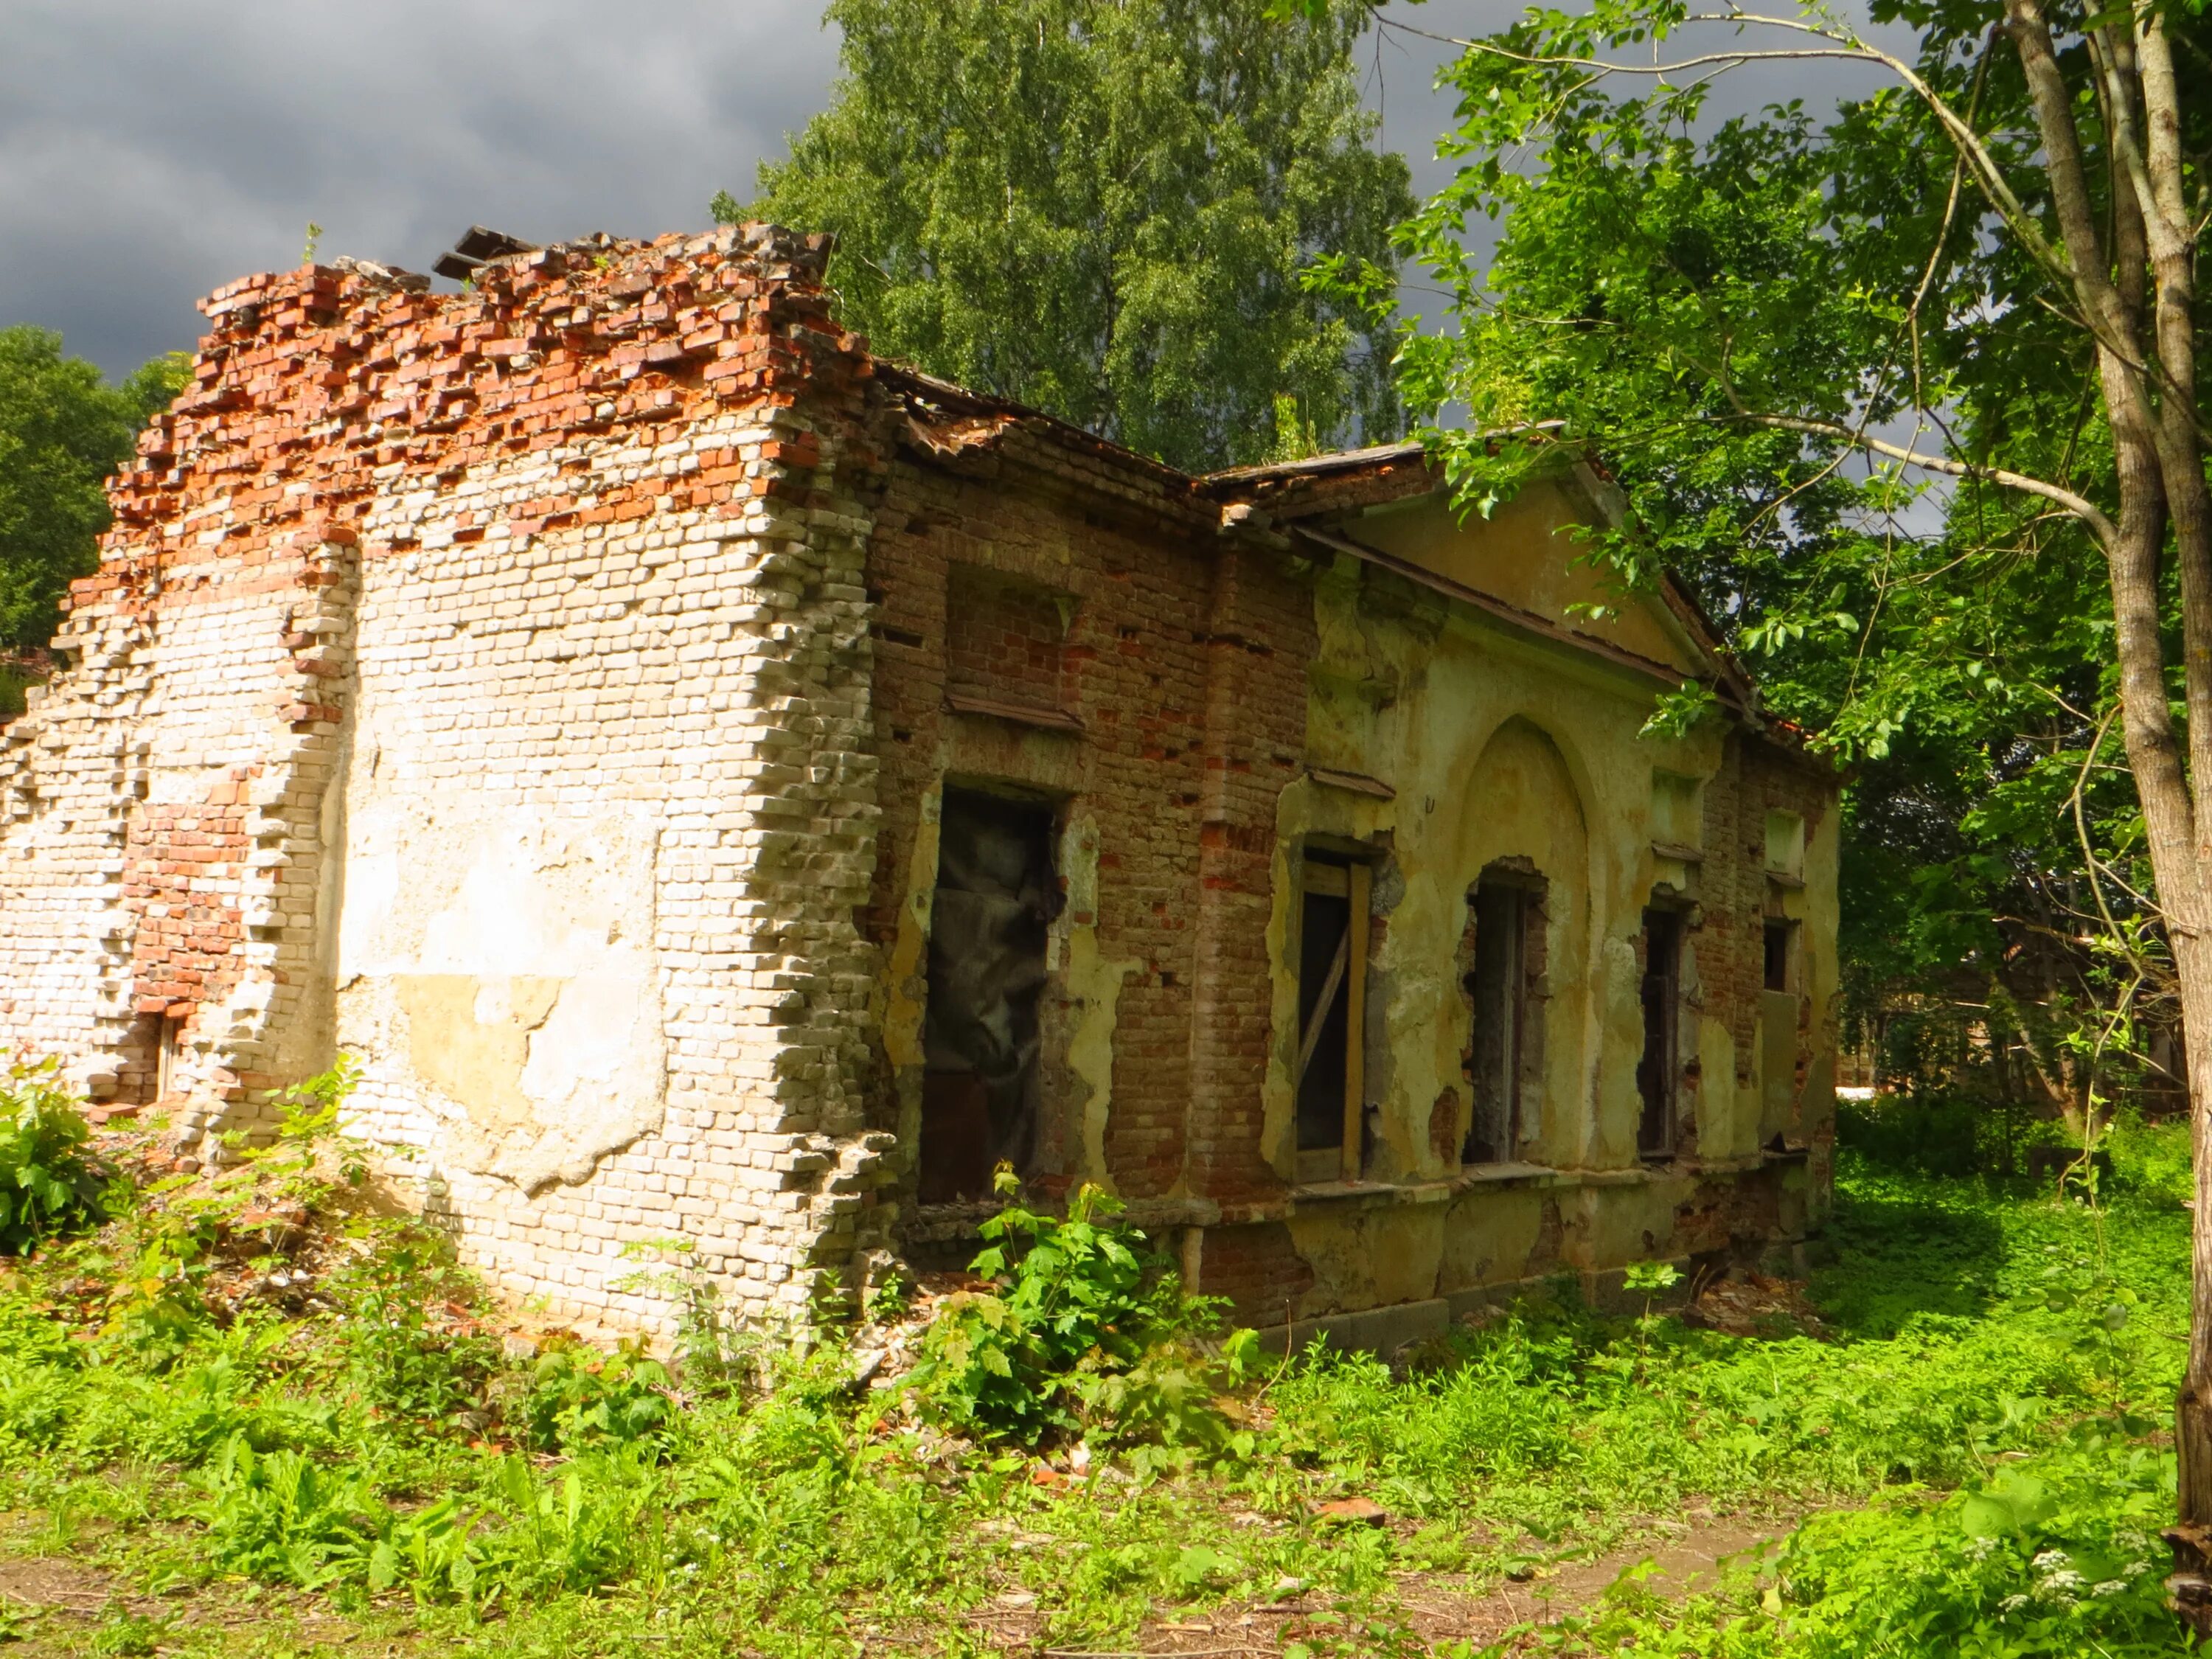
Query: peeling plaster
(501,967)
(906,975)
(1092,988)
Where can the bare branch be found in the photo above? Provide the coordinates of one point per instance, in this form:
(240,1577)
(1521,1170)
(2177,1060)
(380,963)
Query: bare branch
(2080,507)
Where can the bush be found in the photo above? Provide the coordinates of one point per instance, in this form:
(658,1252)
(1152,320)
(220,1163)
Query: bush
(402,1352)
(1950,1134)
(2152,1157)
(1081,1334)
(47,1184)
(579,1397)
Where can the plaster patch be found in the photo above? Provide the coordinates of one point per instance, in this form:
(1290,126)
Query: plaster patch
(1094,988)
(526,999)
(1490,1237)
(471,1038)
(905,977)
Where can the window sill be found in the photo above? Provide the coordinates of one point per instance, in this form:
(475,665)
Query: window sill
(962,1220)
(1503,1173)
(1019,714)
(1470,1177)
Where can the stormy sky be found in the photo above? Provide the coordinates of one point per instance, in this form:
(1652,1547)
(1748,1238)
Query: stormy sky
(152,149)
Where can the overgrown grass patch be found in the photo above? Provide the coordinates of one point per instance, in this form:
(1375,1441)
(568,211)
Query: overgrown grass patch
(1977,1432)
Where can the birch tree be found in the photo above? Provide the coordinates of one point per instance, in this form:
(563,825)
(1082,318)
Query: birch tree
(1101,207)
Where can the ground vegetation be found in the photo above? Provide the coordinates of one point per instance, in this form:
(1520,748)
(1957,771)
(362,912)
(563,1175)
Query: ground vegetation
(258,1410)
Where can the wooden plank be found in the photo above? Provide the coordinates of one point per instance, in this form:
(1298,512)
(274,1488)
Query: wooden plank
(1325,1001)
(1330,880)
(1355,1024)
(1020,713)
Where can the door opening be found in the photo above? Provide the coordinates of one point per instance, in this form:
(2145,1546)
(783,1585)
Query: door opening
(996,897)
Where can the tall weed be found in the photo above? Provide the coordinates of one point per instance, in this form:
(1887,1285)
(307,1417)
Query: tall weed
(48,1183)
(1079,1334)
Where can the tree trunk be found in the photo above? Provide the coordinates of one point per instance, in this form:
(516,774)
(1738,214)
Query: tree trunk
(2191,1537)
(2150,401)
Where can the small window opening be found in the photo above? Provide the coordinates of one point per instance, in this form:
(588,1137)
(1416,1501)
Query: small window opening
(165,1061)
(996,897)
(1781,949)
(1505,957)
(1657,1073)
(1333,919)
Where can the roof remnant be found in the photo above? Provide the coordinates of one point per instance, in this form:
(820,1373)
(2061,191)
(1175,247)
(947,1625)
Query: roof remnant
(478,245)
(411,282)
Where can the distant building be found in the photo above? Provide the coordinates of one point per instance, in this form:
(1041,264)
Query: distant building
(721,785)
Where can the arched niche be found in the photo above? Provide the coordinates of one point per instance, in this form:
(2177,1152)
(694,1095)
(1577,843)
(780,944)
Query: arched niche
(1521,816)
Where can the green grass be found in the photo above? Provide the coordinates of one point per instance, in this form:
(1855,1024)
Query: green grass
(1991,1385)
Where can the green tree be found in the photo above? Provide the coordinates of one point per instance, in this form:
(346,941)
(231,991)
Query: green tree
(1101,209)
(63,430)
(1777,332)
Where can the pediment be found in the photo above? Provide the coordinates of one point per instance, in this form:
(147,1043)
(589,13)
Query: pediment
(1530,557)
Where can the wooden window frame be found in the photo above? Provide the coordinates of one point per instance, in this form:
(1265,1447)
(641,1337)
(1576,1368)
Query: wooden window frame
(1354,882)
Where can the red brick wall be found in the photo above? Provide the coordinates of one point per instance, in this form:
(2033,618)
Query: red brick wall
(183,865)
(1184,660)
(1005,638)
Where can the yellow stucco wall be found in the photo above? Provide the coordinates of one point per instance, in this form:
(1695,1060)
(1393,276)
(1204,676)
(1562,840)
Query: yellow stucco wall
(1495,742)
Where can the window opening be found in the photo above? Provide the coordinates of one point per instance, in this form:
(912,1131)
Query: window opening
(1778,1010)
(1333,919)
(1004,638)
(1657,1072)
(1504,912)
(164,1060)
(996,897)
(1781,938)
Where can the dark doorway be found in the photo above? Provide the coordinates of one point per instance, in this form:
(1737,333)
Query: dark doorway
(1657,1072)
(996,897)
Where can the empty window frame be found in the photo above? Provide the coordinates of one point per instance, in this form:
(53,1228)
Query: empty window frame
(996,897)
(1658,1074)
(165,1058)
(1504,961)
(1781,952)
(1332,918)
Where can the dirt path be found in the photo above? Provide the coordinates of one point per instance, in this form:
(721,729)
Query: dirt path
(1688,1555)
(60,1607)
(59,1604)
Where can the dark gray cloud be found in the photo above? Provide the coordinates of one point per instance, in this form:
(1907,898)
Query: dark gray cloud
(150,152)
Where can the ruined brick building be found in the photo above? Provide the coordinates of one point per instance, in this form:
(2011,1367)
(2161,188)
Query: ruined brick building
(720,784)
